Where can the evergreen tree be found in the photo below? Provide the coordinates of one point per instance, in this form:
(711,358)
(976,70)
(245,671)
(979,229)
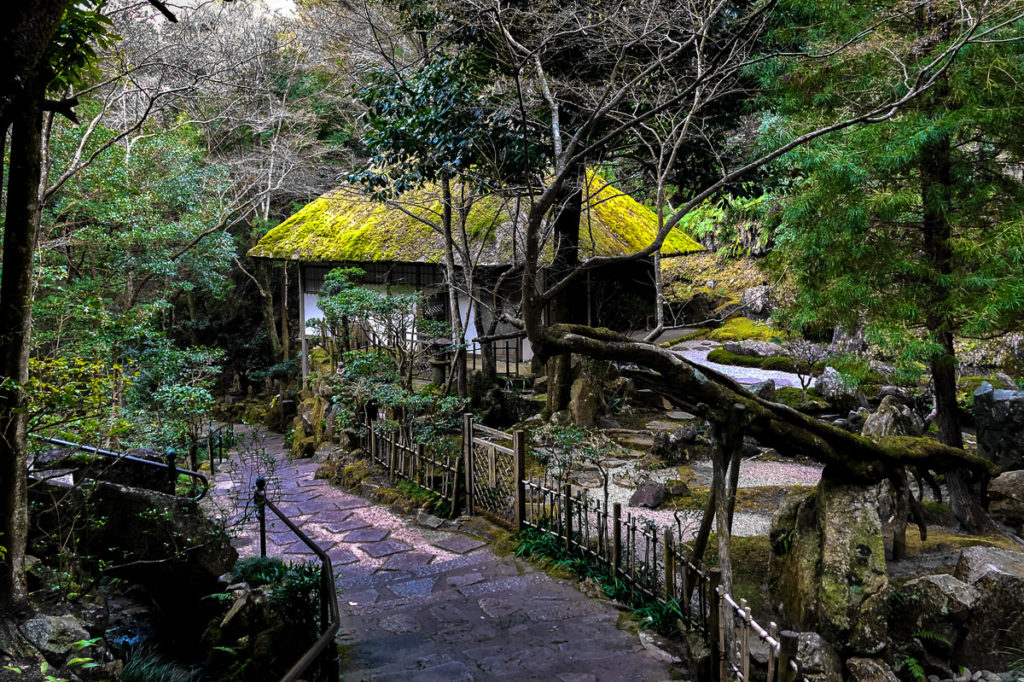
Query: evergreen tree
(913,226)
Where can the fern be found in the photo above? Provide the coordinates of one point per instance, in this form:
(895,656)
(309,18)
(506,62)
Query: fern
(914,667)
(928,635)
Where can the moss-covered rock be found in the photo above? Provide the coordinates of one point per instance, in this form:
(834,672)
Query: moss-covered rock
(777,363)
(828,562)
(793,397)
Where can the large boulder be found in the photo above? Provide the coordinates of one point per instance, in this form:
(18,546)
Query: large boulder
(998,622)
(828,560)
(818,660)
(831,387)
(869,670)
(999,419)
(1006,499)
(649,494)
(892,419)
(754,349)
(55,636)
(583,402)
(941,606)
(756,302)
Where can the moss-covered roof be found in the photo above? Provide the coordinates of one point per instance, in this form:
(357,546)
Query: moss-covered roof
(346,225)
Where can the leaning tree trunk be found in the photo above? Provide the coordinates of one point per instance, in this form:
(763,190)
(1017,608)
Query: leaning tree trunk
(20,230)
(564,308)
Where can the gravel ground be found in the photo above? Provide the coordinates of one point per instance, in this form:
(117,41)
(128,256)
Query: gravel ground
(753,473)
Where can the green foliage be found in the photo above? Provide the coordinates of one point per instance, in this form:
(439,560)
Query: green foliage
(437,122)
(912,225)
(259,571)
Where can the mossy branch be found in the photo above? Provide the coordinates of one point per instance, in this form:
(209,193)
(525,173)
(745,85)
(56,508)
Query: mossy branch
(712,395)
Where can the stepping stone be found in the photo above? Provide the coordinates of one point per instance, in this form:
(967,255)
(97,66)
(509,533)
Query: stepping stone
(340,557)
(384,548)
(459,544)
(318,506)
(332,516)
(366,535)
(464,580)
(364,598)
(353,571)
(413,588)
(407,561)
(346,525)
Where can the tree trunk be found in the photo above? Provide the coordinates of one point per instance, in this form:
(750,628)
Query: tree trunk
(286,350)
(458,333)
(269,318)
(936,191)
(20,230)
(565,307)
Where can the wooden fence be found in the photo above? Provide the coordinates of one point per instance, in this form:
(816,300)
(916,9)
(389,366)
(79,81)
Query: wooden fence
(398,452)
(649,560)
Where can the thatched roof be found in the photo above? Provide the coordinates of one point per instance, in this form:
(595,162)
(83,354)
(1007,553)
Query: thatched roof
(346,225)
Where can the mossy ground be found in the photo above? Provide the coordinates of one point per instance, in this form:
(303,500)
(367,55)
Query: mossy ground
(776,363)
(742,328)
(966,386)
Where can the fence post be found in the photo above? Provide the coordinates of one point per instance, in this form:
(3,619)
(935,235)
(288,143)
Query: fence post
(519,448)
(670,564)
(260,499)
(714,626)
(417,463)
(788,641)
(616,538)
(467,449)
(745,639)
(568,516)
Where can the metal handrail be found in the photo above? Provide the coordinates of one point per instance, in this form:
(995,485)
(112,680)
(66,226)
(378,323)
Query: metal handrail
(328,596)
(128,458)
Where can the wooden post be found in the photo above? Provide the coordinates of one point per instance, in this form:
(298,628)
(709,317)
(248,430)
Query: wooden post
(787,653)
(616,538)
(714,626)
(568,516)
(670,573)
(519,466)
(745,639)
(773,632)
(467,450)
(417,462)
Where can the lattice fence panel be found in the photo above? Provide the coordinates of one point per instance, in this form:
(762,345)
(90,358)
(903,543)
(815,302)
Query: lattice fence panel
(494,481)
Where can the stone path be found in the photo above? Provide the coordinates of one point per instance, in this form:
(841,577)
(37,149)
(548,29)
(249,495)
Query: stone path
(420,603)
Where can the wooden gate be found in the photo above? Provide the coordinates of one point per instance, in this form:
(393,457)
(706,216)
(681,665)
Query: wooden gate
(495,468)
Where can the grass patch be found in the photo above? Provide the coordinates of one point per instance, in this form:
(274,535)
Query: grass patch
(742,328)
(749,570)
(777,363)
(941,540)
(550,553)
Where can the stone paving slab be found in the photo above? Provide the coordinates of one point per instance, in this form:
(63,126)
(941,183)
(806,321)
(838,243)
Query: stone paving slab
(421,604)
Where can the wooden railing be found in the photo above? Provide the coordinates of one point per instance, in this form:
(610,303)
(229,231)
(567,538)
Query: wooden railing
(323,651)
